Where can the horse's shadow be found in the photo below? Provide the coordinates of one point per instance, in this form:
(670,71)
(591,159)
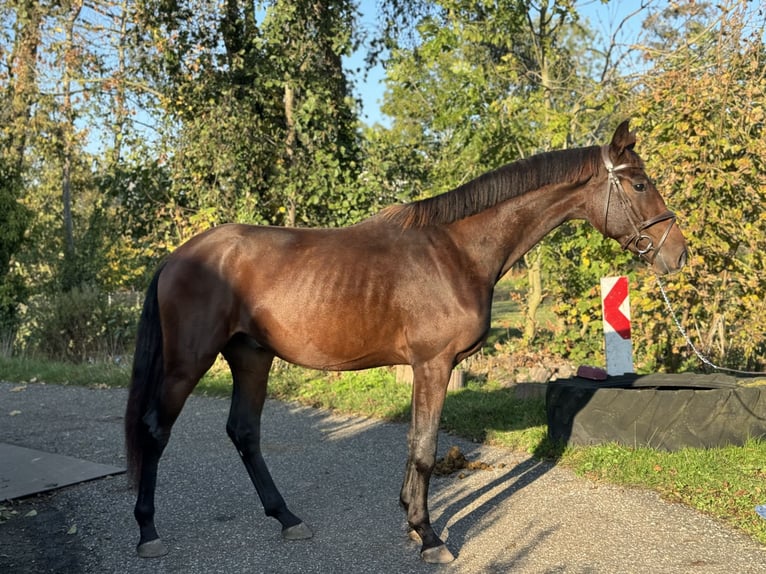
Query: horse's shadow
(460,515)
(463,512)
(503,487)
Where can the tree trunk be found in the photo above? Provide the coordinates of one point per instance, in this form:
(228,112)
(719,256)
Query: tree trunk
(533,260)
(120,109)
(23,87)
(68,144)
(540,33)
(290,141)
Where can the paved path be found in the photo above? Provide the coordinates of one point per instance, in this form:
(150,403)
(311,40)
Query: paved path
(341,475)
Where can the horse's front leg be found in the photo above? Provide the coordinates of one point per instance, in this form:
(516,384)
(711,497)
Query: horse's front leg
(429,389)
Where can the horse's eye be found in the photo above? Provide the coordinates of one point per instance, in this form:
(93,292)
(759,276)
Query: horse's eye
(639,186)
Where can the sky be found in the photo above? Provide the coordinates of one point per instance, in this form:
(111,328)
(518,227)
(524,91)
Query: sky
(604,19)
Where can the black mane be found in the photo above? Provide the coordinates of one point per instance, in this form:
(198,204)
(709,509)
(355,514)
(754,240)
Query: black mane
(496,186)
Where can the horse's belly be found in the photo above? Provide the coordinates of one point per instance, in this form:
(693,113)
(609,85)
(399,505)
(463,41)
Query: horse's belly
(343,343)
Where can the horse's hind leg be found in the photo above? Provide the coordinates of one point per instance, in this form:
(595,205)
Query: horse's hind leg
(250,370)
(158,422)
(149,544)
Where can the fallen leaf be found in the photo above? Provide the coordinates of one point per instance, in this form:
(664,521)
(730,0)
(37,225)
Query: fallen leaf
(19,388)
(14,413)
(72,529)
(31,514)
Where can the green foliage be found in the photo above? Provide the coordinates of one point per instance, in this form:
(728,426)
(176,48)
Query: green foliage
(14,219)
(702,113)
(488,83)
(576,258)
(140,220)
(45,260)
(12,293)
(468,100)
(29,369)
(255,121)
(82,324)
(488,412)
(262,126)
(374,392)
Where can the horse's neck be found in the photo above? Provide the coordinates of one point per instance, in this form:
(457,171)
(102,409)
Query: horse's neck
(496,238)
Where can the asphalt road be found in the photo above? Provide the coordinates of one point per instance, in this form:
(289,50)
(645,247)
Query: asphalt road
(341,475)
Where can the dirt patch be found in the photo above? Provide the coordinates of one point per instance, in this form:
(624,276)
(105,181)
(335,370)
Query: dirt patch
(510,365)
(455,461)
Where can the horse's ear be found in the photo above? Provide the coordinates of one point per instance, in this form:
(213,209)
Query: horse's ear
(623,138)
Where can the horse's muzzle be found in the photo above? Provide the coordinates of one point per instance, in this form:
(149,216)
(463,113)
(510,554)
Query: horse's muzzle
(666,264)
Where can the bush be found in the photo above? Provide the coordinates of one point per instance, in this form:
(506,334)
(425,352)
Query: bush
(11,293)
(82,324)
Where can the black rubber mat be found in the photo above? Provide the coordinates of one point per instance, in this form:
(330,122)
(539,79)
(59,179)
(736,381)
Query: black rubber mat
(24,471)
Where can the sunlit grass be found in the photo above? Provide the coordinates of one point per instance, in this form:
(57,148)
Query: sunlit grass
(29,369)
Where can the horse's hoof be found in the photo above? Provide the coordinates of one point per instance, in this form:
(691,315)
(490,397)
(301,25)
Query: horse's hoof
(414,536)
(152,549)
(298,532)
(437,555)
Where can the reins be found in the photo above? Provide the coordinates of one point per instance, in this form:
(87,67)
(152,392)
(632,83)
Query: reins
(649,251)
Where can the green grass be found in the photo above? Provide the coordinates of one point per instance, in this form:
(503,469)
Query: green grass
(492,414)
(726,483)
(26,369)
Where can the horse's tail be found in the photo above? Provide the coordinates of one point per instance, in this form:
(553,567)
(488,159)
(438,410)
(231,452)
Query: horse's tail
(145,381)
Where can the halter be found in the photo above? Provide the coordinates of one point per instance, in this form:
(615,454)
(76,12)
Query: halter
(649,251)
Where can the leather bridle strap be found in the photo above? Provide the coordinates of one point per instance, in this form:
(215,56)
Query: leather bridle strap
(649,251)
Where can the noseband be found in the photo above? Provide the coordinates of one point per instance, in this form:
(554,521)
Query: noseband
(648,251)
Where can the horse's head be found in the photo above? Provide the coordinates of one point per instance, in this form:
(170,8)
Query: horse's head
(633,212)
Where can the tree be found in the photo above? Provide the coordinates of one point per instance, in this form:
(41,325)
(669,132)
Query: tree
(703,108)
(263,85)
(23,23)
(306,41)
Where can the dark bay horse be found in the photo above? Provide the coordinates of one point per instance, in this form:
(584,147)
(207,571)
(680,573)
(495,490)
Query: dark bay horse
(411,285)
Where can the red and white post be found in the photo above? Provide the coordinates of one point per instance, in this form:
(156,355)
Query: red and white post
(615,303)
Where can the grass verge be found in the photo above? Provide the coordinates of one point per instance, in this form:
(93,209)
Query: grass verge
(726,482)
(31,370)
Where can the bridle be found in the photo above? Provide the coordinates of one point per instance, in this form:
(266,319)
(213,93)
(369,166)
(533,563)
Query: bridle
(648,251)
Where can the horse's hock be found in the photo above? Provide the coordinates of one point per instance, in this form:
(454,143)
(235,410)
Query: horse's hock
(667,412)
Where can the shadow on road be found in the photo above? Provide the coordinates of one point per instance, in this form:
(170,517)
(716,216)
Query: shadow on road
(475,508)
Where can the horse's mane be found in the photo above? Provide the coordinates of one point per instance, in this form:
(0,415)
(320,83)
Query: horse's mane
(496,186)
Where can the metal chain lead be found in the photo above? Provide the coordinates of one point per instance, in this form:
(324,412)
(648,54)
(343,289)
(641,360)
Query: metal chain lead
(700,356)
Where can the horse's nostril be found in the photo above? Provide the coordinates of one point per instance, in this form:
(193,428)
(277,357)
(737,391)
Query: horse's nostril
(682,259)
